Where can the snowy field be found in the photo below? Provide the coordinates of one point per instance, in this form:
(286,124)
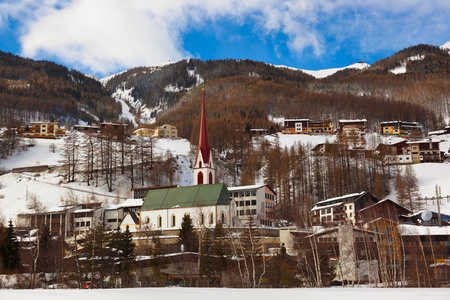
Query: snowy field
(51,189)
(227,294)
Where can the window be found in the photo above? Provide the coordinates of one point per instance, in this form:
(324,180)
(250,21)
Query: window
(222,217)
(247,203)
(253,211)
(202,219)
(147,220)
(253,193)
(247,193)
(236,194)
(253,202)
(159,221)
(88,223)
(173,221)
(211,218)
(200,176)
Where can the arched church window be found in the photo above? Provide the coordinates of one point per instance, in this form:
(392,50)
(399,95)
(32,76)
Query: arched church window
(200,178)
(211,218)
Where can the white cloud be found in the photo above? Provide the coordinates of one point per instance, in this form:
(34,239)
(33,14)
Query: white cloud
(103,36)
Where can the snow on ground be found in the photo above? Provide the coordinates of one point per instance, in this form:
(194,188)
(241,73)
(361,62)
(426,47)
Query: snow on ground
(50,188)
(226,293)
(289,140)
(402,68)
(177,147)
(327,72)
(17,189)
(126,114)
(39,154)
(446,46)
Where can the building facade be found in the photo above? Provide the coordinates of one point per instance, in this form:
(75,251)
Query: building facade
(401,128)
(307,126)
(257,201)
(341,210)
(166,131)
(50,130)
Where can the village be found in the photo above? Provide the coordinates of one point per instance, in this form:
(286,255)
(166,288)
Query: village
(211,234)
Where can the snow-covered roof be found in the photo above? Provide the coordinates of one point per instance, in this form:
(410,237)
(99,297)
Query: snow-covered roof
(245,187)
(83,210)
(294,120)
(341,197)
(436,132)
(326,206)
(128,203)
(355,120)
(405,229)
(423,142)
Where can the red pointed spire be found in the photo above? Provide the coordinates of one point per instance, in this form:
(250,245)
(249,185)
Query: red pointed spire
(203,143)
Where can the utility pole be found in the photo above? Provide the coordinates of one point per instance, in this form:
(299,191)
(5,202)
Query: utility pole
(438,198)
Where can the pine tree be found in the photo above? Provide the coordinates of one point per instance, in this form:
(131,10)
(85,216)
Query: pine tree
(9,250)
(156,263)
(221,249)
(126,256)
(97,251)
(186,235)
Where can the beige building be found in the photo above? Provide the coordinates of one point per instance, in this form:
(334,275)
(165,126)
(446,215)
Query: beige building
(42,130)
(166,132)
(144,132)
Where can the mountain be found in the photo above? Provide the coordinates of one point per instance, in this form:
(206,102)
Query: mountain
(410,85)
(41,90)
(150,90)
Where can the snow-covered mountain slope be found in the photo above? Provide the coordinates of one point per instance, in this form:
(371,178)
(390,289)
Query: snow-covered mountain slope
(446,46)
(328,72)
(17,189)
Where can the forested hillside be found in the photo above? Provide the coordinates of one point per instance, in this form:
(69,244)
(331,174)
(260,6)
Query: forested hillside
(236,104)
(417,75)
(42,90)
(166,85)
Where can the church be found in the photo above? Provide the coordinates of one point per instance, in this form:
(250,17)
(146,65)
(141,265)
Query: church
(207,203)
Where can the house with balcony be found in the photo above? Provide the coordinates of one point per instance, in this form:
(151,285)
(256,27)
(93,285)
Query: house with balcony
(49,130)
(307,126)
(401,128)
(357,125)
(166,131)
(425,151)
(341,210)
(395,153)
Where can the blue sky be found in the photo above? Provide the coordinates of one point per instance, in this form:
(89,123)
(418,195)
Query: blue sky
(102,37)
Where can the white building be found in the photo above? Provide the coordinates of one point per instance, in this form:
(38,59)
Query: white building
(207,205)
(257,201)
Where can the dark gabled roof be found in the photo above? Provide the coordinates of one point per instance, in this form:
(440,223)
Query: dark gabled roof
(197,195)
(134,216)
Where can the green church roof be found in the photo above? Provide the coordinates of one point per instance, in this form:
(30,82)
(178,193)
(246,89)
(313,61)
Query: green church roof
(197,195)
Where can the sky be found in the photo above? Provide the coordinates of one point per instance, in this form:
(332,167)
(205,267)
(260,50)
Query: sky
(102,37)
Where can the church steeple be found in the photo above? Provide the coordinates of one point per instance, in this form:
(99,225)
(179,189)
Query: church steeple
(204,172)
